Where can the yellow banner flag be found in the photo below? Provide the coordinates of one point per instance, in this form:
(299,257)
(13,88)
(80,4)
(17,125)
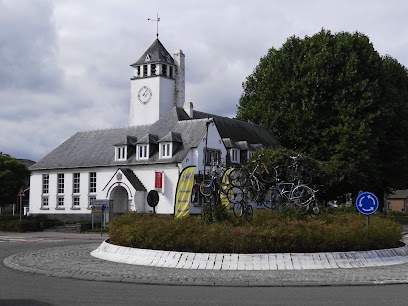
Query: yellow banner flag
(183,193)
(225,188)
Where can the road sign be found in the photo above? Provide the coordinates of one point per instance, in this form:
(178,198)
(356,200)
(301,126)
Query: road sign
(367,203)
(21,193)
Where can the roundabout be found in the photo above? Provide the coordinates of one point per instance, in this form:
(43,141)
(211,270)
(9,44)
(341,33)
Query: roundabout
(250,262)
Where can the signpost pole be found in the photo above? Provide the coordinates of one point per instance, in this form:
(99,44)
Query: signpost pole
(21,205)
(368,221)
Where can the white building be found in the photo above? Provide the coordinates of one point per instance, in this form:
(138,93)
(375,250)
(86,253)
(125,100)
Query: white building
(165,135)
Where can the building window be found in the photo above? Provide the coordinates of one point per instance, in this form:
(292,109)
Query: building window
(75,183)
(212,156)
(153,69)
(165,150)
(144,70)
(92,182)
(60,189)
(171,72)
(250,154)
(234,155)
(138,71)
(389,205)
(164,69)
(60,202)
(75,202)
(90,201)
(44,203)
(45,183)
(121,153)
(142,151)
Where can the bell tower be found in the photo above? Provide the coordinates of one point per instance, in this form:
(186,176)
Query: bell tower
(157,85)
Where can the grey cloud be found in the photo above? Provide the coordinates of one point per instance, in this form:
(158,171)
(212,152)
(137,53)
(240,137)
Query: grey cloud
(28,46)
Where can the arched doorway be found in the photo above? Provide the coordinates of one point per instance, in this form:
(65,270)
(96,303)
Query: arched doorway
(120,204)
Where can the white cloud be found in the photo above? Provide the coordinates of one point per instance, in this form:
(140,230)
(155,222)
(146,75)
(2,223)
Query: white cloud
(65,64)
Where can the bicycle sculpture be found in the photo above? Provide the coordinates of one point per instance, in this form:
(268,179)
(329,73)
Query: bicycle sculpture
(270,186)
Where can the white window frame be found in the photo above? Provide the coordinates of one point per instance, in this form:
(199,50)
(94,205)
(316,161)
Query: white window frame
(60,202)
(76,183)
(92,182)
(166,150)
(45,203)
(76,202)
(142,149)
(121,153)
(60,183)
(250,154)
(45,183)
(234,154)
(89,201)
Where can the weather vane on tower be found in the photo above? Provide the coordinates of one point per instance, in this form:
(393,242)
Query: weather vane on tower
(157,24)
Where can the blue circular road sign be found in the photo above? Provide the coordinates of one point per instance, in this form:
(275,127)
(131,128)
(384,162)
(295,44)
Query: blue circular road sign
(367,203)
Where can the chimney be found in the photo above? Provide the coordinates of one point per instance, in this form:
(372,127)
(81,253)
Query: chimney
(179,91)
(188,108)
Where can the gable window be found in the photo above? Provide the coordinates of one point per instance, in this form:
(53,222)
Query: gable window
(60,189)
(143,151)
(165,150)
(75,183)
(45,183)
(213,156)
(234,153)
(92,182)
(121,153)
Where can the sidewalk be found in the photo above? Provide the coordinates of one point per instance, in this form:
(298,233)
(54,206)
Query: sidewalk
(59,235)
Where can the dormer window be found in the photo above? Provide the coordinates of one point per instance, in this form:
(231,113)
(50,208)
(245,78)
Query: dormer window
(234,153)
(165,150)
(147,58)
(142,151)
(121,153)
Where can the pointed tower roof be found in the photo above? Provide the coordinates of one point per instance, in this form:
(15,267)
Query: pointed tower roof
(156,53)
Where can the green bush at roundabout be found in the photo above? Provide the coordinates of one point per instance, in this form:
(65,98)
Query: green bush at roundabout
(268,232)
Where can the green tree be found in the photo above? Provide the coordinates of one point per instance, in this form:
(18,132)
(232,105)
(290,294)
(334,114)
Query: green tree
(334,98)
(13,176)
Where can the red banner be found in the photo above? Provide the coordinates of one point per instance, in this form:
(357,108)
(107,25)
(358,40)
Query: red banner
(158,180)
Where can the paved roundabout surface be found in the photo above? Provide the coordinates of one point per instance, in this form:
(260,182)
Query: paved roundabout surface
(76,262)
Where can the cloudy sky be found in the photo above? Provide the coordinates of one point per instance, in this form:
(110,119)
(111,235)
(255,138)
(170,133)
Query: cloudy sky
(64,64)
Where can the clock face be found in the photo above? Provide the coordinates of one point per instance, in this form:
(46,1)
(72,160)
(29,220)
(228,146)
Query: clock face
(145,94)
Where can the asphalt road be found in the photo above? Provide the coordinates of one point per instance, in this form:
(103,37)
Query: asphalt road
(20,288)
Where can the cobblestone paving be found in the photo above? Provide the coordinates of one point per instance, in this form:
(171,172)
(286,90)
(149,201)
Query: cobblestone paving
(77,263)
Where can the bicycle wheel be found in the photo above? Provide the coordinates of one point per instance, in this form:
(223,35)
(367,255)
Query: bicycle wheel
(302,195)
(272,198)
(315,209)
(267,175)
(237,209)
(235,195)
(249,212)
(206,188)
(238,177)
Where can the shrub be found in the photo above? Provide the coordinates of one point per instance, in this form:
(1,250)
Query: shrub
(269,232)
